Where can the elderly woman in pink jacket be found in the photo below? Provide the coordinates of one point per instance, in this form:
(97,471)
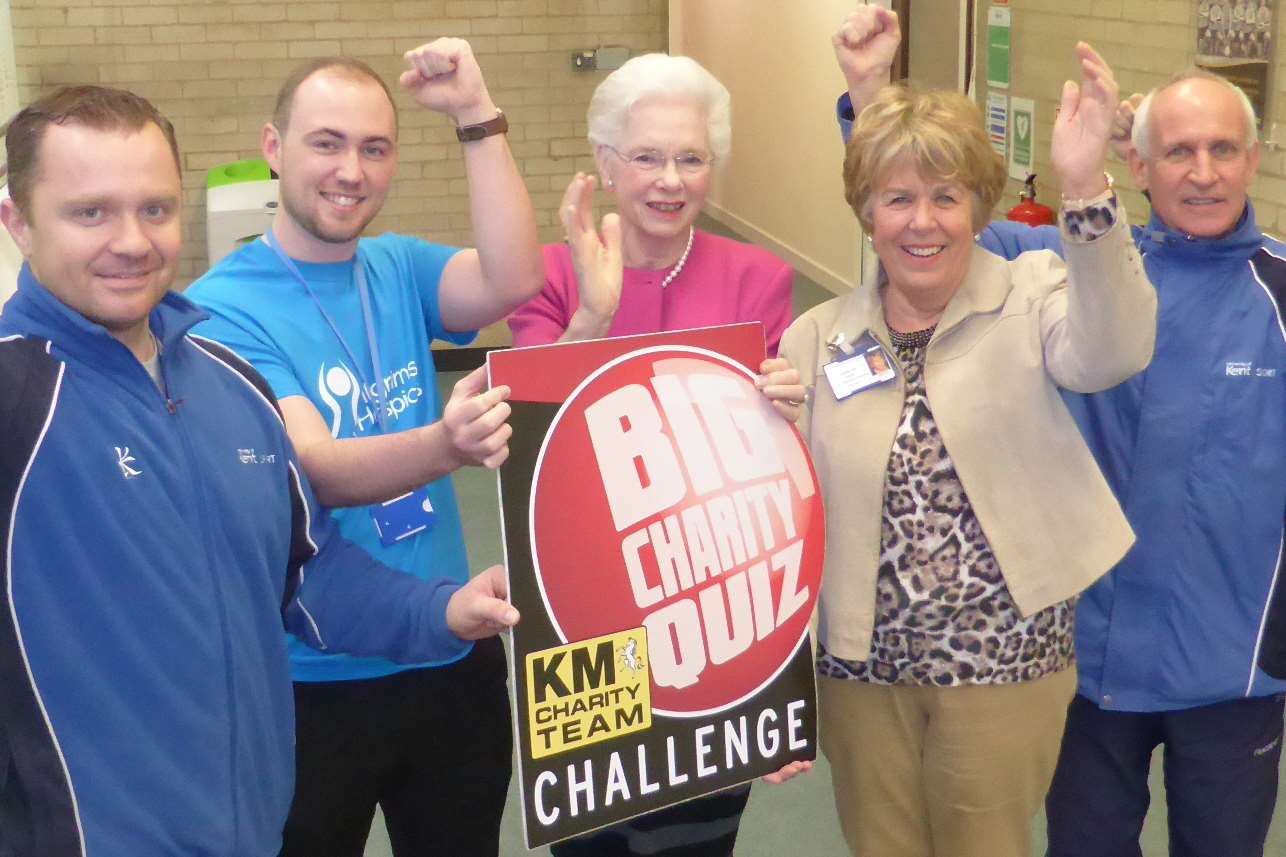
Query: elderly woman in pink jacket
(659,126)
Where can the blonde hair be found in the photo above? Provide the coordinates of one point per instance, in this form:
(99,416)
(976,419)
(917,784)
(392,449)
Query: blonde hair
(940,132)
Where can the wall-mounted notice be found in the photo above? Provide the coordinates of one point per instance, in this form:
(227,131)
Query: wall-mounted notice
(999,19)
(1235,31)
(1236,40)
(998,120)
(1022,124)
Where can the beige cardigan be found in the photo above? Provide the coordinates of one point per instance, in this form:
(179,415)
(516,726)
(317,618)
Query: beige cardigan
(1010,337)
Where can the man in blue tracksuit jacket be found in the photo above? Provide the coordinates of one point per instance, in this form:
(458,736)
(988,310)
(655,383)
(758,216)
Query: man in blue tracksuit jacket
(1170,644)
(156,529)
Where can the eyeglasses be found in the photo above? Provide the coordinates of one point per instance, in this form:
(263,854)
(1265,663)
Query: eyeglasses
(651,160)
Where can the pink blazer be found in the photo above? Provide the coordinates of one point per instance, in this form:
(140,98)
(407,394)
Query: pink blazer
(724,281)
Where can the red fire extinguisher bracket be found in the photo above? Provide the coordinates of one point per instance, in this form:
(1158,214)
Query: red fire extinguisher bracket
(1028,210)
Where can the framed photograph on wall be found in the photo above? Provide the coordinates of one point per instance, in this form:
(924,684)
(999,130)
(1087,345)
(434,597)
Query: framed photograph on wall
(1236,40)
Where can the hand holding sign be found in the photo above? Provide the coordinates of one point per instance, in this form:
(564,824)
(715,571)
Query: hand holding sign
(474,421)
(479,609)
(779,382)
(788,772)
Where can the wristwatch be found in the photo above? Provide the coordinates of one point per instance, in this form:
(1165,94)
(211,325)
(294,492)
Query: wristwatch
(469,133)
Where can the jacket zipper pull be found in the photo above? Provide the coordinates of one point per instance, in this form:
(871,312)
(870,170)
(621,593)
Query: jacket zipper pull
(171,407)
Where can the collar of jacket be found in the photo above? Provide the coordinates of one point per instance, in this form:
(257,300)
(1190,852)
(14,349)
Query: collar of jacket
(33,309)
(985,288)
(1242,242)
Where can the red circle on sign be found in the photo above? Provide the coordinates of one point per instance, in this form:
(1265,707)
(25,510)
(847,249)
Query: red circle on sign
(670,495)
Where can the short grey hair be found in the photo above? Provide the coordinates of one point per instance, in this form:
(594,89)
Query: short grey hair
(1139,135)
(662,75)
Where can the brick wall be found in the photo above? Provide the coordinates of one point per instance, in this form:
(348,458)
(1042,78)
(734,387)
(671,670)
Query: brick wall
(8,71)
(1145,41)
(213,67)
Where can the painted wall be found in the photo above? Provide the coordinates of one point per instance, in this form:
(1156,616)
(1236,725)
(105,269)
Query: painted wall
(781,187)
(936,36)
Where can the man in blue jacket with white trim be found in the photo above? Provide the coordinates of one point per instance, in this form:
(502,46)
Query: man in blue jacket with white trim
(1173,644)
(1169,643)
(156,530)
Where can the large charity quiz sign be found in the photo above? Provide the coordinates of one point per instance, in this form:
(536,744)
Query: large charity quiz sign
(664,535)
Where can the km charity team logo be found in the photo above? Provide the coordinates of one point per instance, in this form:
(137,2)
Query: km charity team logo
(669,496)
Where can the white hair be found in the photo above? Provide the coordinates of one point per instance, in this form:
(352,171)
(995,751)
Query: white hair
(1140,137)
(660,75)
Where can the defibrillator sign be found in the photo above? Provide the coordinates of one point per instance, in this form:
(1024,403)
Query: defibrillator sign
(663,535)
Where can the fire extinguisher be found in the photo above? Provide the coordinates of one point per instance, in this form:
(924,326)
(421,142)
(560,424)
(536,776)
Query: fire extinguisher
(1028,210)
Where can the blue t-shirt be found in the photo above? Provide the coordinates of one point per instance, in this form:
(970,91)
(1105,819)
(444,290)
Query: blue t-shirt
(262,312)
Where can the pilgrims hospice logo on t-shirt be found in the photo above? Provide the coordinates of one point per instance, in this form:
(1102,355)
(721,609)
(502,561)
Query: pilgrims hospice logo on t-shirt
(351,409)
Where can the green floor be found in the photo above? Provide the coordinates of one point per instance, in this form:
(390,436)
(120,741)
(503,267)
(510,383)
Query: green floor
(796,819)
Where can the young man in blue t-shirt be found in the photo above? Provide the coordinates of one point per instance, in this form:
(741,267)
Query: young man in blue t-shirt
(341,328)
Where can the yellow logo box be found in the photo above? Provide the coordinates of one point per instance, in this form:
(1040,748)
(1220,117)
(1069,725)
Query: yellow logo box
(588,691)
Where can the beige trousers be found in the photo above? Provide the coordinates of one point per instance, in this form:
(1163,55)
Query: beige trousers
(942,772)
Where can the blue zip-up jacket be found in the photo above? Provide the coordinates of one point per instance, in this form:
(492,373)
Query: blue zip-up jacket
(1195,449)
(153,546)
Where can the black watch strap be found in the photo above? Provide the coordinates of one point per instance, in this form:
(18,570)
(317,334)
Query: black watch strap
(469,133)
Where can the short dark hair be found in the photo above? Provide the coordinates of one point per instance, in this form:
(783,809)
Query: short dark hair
(346,66)
(99,107)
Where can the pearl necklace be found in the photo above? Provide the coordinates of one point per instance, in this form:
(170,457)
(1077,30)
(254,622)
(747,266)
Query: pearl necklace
(683,260)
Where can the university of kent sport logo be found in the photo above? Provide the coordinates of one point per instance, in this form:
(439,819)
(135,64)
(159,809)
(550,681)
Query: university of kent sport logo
(670,497)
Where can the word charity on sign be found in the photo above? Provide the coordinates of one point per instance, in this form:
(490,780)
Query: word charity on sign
(664,535)
(699,539)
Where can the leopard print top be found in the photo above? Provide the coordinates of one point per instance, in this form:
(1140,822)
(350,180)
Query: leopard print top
(943,614)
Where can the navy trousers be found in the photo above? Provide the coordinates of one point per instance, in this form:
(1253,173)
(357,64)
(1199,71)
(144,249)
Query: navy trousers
(1221,766)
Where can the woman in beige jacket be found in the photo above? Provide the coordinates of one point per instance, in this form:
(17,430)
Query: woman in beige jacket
(964,511)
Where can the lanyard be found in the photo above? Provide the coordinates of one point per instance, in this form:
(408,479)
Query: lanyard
(368,391)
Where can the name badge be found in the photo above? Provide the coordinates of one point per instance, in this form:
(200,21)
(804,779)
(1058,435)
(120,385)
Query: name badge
(403,517)
(857,366)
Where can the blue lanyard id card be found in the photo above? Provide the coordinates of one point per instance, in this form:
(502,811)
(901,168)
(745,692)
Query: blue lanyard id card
(403,517)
